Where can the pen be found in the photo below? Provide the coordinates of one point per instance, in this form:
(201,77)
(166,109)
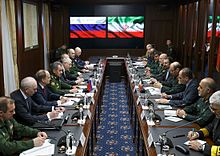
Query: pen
(178,136)
(193,132)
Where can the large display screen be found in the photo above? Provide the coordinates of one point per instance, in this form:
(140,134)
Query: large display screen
(126,27)
(87,27)
(106,26)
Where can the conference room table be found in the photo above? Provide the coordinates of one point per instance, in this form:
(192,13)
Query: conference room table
(85,134)
(138,116)
(142,131)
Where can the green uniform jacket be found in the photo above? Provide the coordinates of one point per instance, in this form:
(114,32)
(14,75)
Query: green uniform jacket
(172,86)
(58,86)
(10,132)
(74,69)
(155,68)
(199,109)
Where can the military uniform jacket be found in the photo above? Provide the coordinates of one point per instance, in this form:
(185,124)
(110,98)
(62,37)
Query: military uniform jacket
(199,109)
(10,132)
(74,69)
(212,130)
(58,86)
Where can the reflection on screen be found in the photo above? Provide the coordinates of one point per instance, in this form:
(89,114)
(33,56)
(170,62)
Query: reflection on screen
(126,27)
(87,27)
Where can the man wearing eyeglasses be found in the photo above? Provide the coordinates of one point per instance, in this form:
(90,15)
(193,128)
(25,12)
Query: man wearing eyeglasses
(212,130)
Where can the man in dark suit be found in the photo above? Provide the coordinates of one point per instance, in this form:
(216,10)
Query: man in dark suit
(27,111)
(44,96)
(212,130)
(188,96)
(171,85)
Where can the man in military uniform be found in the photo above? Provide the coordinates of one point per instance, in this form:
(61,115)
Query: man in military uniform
(12,132)
(200,109)
(212,130)
(74,69)
(56,84)
(170,49)
(171,85)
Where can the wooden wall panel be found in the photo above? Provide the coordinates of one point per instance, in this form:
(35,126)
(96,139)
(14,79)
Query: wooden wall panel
(31,60)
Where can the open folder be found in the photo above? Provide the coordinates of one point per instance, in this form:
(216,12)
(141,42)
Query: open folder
(47,149)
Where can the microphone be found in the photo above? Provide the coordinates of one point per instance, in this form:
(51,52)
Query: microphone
(152,114)
(164,140)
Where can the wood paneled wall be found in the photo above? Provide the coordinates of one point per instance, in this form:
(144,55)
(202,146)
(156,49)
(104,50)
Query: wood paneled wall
(29,61)
(192,37)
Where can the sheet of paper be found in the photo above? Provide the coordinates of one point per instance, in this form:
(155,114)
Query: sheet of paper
(164,107)
(68,103)
(170,112)
(70,94)
(200,141)
(47,149)
(153,91)
(173,119)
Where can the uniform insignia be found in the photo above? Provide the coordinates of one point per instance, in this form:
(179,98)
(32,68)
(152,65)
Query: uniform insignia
(52,83)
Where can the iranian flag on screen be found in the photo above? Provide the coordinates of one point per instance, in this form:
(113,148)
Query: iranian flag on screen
(126,27)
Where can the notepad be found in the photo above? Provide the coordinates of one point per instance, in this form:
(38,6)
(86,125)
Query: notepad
(47,149)
(164,107)
(173,119)
(200,141)
(170,112)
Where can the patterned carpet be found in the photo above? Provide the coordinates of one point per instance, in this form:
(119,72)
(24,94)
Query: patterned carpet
(114,135)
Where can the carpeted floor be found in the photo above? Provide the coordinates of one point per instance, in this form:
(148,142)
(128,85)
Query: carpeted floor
(114,135)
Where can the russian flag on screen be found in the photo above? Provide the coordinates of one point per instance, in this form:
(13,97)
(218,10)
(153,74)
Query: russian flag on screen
(126,27)
(87,27)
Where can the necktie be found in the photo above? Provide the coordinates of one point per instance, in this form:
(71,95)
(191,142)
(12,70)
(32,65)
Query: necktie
(44,91)
(28,103)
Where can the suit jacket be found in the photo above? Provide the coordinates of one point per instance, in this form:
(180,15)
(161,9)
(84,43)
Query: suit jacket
(45,97)
(27,113)
(187,97)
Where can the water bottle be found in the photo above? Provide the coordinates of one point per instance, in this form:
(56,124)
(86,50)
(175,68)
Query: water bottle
(85,100)
(68,140)
(81,113)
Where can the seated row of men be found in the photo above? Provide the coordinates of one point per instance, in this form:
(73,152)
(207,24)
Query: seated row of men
(195,101)
(38,99)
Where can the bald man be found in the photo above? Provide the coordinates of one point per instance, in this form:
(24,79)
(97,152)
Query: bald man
(188,96)
(26,109)
(200,109)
